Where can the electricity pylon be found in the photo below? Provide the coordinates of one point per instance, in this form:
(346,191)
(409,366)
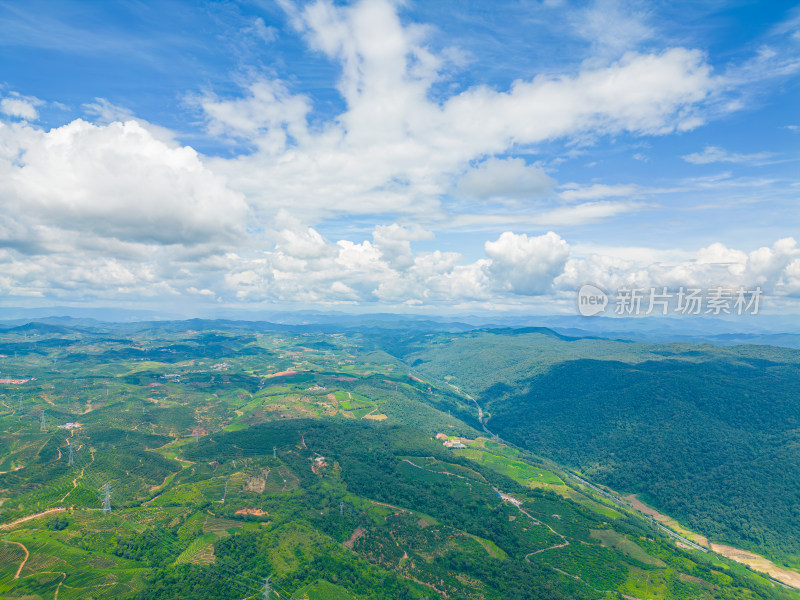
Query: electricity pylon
(42,423)
(107,498)
(71,460)
(267,589)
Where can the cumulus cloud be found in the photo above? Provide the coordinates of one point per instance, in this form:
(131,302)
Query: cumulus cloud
(767,266)
(298,241)
(527,265)
(394,243)
(113,181)
(362,272)
(719,253)
(773,269)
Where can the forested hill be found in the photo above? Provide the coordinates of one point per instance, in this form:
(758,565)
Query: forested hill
(196,459)
(709,435)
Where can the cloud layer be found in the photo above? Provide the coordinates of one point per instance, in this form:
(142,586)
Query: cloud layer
(112,206)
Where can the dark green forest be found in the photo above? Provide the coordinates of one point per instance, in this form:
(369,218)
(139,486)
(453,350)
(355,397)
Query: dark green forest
(707,435)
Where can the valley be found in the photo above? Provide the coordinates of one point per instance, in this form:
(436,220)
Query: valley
(339,463)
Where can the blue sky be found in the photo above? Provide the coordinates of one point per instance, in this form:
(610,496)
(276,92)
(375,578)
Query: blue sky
(382,155)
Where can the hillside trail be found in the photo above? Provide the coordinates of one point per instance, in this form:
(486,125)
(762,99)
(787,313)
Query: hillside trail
(506,498)
(24,560)
(49,511)
(58,587)
(74,485)
(564,541)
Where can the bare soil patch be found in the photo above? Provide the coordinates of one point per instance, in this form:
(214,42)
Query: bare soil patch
(752,560)
(251,511)
(354,537)
(376,417)
(667,521)
(759,563)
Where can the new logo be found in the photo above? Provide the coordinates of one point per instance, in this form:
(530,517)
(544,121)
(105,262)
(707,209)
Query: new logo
(591,300)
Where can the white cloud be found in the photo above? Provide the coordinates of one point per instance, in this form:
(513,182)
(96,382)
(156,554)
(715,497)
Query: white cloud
(394,243)
(719,253)
(106,112)
(526,265)
(21,107)
(262,31)
(560,216)
(598,191)
(766,266)
(266,116)
(790,282)
(114,181)
(773,269)
(119,208)
(506,179)
(714,154)
(298,241)
(395,150)
(612,26)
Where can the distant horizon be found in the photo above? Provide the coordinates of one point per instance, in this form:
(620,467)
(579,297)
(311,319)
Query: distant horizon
(767,328)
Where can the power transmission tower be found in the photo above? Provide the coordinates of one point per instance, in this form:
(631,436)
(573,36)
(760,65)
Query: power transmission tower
(274,452)
(42,422)
(341,508)
(107,498)
(71,460)
(267,589)
(21,410)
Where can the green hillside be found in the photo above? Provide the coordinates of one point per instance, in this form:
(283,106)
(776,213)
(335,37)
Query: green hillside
(240,452)
(708,435)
